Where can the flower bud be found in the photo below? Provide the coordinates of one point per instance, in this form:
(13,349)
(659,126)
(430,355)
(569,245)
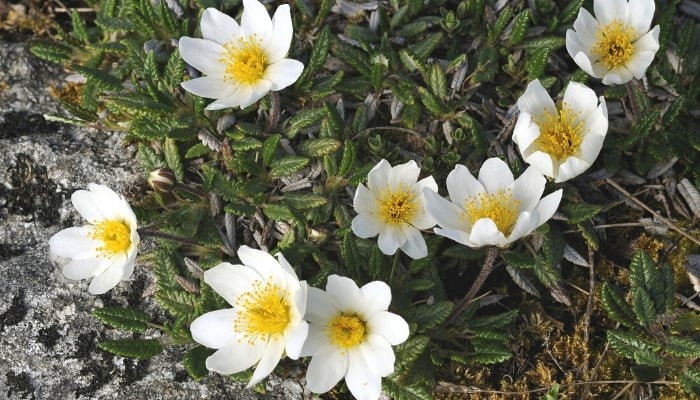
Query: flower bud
(162,180)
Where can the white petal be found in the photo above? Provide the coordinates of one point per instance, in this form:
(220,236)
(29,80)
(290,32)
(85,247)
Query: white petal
(314,340)
(203,55)
(128,267)
(403,175)
(607,11)
(457,235)
(361,381)
(445,213)
(78,269)
(414,246)
(423,220)
(586,27)
(591,146)
(269,360)
(377,179)
(344,293)
(390,239)
(219,27)
(618,76)
(378,355)
(283,73)
(425,183)
(366,225)
(495,175)
(277,46)
(286,267)
(644,52)
(390,326)
(364,201)
(230,281)
(210,87)
(255,20)
(484,232)
(461,185)
(236,356)
(74,243)
(214,329)
(639,15)
(295,338)
(528,188)
(261,261)
(548,206)
(543,163)
(527,222)
(583,60)
(525,133)
(571,168)
(89,208)
(581,99)
(109,278)
(535,101)
(376,296)
(327,367)
(251,94)
(319,308)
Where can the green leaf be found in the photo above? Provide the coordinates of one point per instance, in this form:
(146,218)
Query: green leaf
(643,306)
(348,159)
(429,316)
(401,391)
(408,351)
(195,362)
(270,148)
(570,11)
(412,62)
(690,381)
(438,81)
(550,42)
(278,212)
(491,356)
(319,147)
(519,260)
(141,349)
(645,275)
(519,27)
(103,79)
(198,150)
(305,201)
(627,343)
(50,51)
(287,165)
(537,61)
(148,157)
(492,322)
(80,32)
(579,212)
(123,318)
(645,373)
(304,119)
(686,322)
(685,347)
(178,302)
(172,158)
(424,48)
(615,305)
(319,53)
(431,102)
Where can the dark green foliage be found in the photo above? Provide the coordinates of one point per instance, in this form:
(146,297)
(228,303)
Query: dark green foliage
(123,318)
(141,349)
(195,362)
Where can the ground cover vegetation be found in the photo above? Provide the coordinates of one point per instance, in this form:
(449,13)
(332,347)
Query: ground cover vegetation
(406,115)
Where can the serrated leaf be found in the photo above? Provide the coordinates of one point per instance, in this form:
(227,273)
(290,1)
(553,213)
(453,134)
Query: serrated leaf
(492,322)
(429,316)
(685,347)
(172,158)
(195,362)
(570,11)
(348,159)
(50,51)
(537,61)
(519,27)
(491,356)
(522,281)
(686,322)
(198,150)
(178,302)
(148,157)
(690,381)
(645,275)
(305,201)
(319,147)
(103,79)
(123,318)
(401,391)
(278,212)
(438,81)
(627,343)
(319,53)
(573,256)
(431,102)
(408,351)
(643,306)
(551,42)
(645,373)
(305,118)
(424,48)
(411,61)
(579,212)
(615,305)
(517,259)
(141,349)
(287,165)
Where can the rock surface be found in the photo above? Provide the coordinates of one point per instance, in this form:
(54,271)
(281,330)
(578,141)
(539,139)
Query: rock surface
(48,338)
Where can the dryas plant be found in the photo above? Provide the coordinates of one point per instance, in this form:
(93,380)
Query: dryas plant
(431,81)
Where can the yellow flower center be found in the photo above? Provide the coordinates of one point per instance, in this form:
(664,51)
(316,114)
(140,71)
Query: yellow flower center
(346,331)
(114,235)
(245,60)
(397,207)
(262,312)
(614,44)
(560,133)
(500,207)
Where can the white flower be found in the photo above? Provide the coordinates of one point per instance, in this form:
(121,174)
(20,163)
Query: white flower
(493,210)
(266,319)
(104,249)
(350,335)
(560,142)
(617,44)
(392,206)
(242,62)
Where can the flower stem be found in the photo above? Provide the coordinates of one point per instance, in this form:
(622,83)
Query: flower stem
(146,231)
(393,266)
(486,269)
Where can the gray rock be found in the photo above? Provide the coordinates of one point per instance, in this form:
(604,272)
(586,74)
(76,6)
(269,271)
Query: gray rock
(48,338)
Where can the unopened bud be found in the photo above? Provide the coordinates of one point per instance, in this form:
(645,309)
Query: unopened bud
(162,180)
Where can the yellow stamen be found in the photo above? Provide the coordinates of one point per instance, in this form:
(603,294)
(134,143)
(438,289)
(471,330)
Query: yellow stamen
(114,235)
(500,207)
(262,312)
(397,207)
(245,60)
(614,44)
(346,331)
(560,133)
